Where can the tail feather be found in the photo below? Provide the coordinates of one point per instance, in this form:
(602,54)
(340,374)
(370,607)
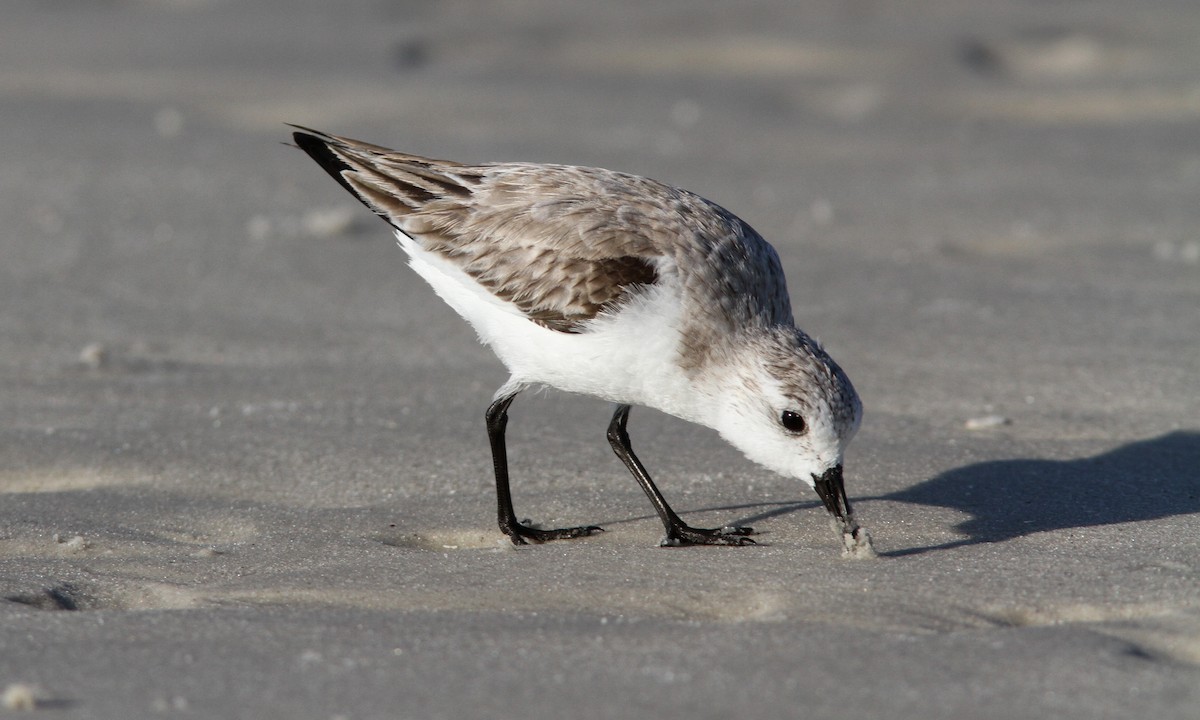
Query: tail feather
(318,148)
(393,185)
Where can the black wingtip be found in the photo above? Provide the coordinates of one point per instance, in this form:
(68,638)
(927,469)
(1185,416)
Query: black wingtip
(317,147)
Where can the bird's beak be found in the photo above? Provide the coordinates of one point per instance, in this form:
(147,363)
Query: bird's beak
(832,489)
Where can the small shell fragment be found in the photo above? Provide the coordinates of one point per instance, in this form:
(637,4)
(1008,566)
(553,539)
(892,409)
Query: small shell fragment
(986,422)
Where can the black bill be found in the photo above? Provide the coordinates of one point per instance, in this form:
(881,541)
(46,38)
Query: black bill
(832,489)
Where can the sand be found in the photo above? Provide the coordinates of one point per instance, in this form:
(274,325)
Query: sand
(243,469)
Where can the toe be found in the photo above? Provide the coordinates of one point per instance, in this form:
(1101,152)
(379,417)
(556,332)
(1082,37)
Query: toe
(737,531)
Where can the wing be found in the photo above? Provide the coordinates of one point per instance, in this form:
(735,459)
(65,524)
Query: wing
(535,236)
(561,243)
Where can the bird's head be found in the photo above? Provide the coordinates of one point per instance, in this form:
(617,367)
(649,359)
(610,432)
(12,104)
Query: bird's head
(790,408)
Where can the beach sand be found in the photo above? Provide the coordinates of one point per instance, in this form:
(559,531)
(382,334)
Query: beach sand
(243,468)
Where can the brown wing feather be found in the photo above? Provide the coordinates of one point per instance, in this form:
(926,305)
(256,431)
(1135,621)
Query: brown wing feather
(562,243)
(529,253)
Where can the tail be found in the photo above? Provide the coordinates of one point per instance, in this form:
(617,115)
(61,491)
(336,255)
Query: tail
(391,184)
(317,145)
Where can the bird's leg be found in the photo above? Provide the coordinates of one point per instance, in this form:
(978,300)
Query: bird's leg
(497,420)
(678,532)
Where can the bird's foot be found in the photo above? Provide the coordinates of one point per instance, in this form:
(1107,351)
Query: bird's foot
(523,534)
(687,535)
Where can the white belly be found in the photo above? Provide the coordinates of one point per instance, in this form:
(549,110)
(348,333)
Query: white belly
(625,358)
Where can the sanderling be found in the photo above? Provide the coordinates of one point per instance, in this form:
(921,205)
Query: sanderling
(623,288)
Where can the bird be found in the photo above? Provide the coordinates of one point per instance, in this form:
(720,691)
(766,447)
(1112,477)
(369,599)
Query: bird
(622,288)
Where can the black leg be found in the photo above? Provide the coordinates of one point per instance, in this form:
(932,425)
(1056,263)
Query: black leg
(497,420)
(678,532)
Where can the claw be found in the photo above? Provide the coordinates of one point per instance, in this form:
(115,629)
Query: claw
(728,530)
(523,534)
(687,535)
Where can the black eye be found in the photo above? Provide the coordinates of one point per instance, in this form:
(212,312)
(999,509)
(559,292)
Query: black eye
(793,422)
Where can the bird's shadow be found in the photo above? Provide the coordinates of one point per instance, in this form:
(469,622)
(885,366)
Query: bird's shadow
(1006,499)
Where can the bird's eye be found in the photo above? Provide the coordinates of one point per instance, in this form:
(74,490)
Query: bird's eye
(793,423)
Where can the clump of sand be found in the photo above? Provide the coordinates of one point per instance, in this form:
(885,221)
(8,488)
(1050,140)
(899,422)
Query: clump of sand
(856,540)
(19,696)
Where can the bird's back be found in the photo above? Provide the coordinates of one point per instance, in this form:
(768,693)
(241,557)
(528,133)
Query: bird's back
(564,244)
